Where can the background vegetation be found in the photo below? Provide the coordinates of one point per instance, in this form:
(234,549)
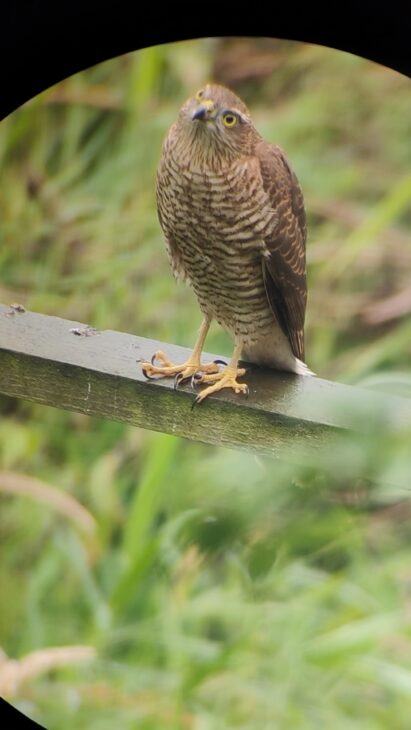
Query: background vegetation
(192,587)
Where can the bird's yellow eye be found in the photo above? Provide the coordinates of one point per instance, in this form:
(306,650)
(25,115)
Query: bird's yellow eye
(229,119)
(199,95)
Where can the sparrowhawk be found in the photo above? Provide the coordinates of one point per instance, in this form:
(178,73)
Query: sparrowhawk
(232,212)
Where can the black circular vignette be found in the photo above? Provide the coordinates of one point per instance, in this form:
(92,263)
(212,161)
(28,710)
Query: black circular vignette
(11,718)
(42,43)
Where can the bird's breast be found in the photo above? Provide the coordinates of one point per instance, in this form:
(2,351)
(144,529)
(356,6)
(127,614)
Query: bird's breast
(206,206)
(218,220)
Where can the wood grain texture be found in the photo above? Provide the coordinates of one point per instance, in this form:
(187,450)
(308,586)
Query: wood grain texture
(45,359)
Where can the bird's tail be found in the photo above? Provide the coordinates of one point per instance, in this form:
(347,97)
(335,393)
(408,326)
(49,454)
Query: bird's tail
(301,368)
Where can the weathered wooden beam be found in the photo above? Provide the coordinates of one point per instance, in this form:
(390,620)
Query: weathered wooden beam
(68,365)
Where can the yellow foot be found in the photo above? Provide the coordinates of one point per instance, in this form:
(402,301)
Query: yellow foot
(226,379)
(180,372)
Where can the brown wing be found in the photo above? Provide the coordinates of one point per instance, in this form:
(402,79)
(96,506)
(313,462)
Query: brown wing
(284,269)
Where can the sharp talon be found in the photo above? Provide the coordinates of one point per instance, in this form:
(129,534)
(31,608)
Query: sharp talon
(220,362)
(195,379)
(178,380)
(195,402)
(153,359)
(146,375)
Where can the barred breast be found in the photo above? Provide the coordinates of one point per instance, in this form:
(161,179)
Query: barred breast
(215,221)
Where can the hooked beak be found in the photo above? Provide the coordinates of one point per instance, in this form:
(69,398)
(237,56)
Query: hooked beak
(204,111)
(200,113)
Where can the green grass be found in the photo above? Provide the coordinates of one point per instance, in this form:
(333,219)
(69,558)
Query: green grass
(218,589)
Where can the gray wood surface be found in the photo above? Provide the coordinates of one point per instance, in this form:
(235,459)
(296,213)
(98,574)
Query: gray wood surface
(67,365)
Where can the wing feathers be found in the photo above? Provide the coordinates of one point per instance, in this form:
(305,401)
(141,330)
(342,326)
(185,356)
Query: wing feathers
(284,269)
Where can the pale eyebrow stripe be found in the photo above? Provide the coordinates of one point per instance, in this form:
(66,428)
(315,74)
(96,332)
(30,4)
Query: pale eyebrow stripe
(237,113)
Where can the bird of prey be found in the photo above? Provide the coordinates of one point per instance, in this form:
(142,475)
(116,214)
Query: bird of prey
(232,213)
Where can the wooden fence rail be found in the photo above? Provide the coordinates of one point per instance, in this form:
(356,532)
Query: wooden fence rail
(69,365)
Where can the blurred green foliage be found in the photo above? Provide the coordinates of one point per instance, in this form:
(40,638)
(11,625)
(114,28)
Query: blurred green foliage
(220,590)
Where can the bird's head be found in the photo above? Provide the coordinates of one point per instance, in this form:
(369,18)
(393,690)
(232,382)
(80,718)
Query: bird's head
(216,122)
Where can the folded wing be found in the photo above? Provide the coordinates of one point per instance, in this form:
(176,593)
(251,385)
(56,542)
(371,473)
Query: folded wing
(284,268)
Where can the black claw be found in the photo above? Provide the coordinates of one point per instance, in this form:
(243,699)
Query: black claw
(153,359)
(178,380)
(146,375)
(195,379)
(220,362)
(195,402)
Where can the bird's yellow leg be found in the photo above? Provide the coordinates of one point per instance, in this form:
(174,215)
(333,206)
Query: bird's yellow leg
(185,370)
(225,379)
